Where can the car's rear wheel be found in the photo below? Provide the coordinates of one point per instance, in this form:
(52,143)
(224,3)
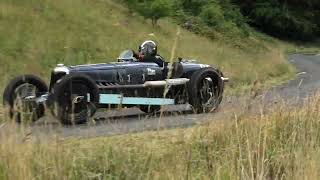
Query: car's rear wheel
(19,97)
(74,99)
(205,90)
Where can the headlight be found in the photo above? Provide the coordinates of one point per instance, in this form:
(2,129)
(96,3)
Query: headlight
(61,68)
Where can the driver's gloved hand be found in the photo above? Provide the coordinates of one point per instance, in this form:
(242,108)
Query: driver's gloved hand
(141,57)
(138,56)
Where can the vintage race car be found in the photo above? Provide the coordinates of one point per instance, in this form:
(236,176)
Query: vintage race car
(76,92)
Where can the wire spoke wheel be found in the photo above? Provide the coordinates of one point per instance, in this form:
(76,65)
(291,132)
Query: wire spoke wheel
(205,90)
(75,102)
(20,97)
(23,109)
(208,94)
(75,99)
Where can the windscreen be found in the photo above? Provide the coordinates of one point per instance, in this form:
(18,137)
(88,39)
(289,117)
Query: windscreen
(126,55)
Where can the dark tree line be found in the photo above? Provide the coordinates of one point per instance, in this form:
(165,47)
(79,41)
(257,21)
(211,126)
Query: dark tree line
(293,19)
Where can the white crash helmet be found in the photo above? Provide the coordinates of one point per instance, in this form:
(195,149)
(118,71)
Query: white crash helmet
(148,48)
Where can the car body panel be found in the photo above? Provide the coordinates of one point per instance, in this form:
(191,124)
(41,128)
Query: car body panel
(127,77)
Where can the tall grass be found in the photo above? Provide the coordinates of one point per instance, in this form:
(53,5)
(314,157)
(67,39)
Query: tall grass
(284,144)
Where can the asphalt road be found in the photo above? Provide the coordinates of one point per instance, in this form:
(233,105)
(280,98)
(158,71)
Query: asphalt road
(133,120)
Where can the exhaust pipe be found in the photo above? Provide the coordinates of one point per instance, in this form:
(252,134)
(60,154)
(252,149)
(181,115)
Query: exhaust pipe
(167,82)
(225,79)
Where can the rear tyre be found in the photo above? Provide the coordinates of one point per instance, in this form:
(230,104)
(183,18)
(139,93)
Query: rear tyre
(205,90)
(74,99)
(17,93)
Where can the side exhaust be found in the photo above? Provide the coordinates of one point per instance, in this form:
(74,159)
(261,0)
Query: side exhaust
(167,82)
(225,79)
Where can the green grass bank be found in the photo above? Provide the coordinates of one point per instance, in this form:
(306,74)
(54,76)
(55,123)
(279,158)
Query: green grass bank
(35,36)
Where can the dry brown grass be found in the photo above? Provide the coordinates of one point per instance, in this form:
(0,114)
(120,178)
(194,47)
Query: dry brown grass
(284,144)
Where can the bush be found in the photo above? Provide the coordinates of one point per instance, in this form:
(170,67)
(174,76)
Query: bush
(292,19)
(272,17)
(212,15)
(192,7)
(151,9)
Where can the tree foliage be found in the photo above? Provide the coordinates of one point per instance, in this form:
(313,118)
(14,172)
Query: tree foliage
(151,9)
(294,19)
(212,15)
(194,7)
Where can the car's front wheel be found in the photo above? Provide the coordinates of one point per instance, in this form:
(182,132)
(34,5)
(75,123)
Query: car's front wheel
(18,97)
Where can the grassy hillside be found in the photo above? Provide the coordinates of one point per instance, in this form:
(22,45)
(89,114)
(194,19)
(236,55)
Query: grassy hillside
(35,36)
(283,145)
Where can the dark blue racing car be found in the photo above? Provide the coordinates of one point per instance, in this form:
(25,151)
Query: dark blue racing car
(76,92)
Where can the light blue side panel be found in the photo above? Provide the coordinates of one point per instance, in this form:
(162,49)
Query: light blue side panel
(119,99)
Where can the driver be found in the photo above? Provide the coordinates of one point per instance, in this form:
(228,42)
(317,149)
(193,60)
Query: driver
(148,53)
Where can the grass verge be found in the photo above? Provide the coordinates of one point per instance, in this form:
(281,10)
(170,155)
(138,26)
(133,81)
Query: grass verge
(281,145)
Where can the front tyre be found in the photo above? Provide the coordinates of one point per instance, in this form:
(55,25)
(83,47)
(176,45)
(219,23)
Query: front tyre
(205,90)
(74,99)
(18,95)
